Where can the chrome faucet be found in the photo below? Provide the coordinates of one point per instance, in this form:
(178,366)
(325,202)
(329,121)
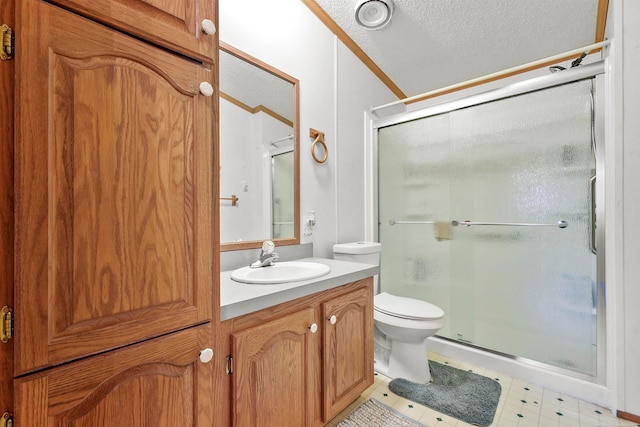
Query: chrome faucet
(267,256)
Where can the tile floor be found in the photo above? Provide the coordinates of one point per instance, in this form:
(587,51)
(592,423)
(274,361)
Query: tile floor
(520,405)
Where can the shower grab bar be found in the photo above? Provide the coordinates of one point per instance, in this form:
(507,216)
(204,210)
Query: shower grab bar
(560,224)
(393,222)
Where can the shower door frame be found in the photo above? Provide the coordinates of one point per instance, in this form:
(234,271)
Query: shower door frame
(594,70)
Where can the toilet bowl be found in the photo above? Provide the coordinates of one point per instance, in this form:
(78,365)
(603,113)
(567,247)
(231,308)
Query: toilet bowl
(402,325)
(405,324)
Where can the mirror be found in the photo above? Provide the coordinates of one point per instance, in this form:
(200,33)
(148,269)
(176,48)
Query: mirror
(259,156)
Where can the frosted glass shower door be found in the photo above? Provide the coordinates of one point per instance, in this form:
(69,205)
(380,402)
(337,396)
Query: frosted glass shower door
(522,289)
(282,195)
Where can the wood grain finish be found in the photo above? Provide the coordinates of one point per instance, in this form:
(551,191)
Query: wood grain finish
(601,19)
(6,207)
(273,370)
(175,24)
(348,349)
(629,417)
(114,190)
(157,383)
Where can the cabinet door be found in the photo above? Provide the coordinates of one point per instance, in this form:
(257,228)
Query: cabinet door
(274,372)
(175,24)
(161,382)
(348,348)
(113,185)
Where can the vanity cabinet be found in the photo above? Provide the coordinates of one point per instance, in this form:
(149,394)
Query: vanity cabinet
(115,291)
(301,363)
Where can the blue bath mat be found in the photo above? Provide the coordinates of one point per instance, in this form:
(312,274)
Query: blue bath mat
(464,395)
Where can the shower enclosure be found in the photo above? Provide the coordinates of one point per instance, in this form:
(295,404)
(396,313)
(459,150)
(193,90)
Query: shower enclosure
(487,208)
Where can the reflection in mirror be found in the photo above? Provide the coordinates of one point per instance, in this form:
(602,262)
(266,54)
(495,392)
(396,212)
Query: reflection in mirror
(259,176)
(282,202)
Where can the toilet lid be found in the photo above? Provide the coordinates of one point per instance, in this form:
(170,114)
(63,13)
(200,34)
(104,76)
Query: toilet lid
(407,308)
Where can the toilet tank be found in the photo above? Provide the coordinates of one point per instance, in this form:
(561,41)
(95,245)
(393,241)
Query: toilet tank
(362,252)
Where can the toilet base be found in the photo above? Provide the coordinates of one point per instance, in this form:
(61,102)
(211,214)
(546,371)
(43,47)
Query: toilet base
(409,361)
(403,360)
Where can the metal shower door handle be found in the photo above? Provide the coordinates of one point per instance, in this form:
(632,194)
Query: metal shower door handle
(592,240)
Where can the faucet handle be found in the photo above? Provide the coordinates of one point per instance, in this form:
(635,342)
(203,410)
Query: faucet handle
(268,247)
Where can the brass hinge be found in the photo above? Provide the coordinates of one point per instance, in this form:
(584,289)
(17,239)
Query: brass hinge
(6,324)
(7,48)
(6,420)
(229,365)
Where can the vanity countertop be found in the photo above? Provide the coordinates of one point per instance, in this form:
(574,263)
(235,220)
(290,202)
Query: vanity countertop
(237,299)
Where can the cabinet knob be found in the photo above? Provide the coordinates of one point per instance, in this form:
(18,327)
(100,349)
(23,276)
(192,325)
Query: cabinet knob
(206,89)
(313,328)
(333,319)
(208,27)
(206,355)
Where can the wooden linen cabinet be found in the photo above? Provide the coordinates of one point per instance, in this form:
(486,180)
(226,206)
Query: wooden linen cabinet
(112,213)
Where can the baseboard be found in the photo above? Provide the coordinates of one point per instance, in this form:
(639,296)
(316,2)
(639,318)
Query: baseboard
(629,417)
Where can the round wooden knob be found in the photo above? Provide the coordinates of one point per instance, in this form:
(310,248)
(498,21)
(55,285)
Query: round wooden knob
(208,27)
(206,355)
(206,89)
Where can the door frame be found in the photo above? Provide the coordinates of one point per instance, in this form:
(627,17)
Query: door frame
(7,16)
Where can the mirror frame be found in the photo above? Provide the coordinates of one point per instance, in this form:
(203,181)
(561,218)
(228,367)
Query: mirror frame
(251,244)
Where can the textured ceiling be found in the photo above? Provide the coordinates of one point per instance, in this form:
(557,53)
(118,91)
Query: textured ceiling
(431,44)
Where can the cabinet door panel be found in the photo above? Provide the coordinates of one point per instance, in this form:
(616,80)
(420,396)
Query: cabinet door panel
(274,370)
(175,24)
(113,190)
(148,384)
(348,349)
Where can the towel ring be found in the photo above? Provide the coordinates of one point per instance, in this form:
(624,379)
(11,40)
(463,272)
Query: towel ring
(319,139)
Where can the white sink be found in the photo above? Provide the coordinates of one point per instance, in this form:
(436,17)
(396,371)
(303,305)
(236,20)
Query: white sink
(281,272)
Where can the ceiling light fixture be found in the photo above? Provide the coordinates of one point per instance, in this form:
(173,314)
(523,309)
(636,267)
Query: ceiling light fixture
(374,14)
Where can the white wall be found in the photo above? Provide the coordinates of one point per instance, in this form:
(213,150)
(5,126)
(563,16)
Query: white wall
(624,29)
(240,159)
(245,171)
(357,91)
(288,36)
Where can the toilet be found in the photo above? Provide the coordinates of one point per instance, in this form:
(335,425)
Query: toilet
(402,325)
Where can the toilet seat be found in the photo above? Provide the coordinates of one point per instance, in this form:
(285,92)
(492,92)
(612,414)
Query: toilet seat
(406,308)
